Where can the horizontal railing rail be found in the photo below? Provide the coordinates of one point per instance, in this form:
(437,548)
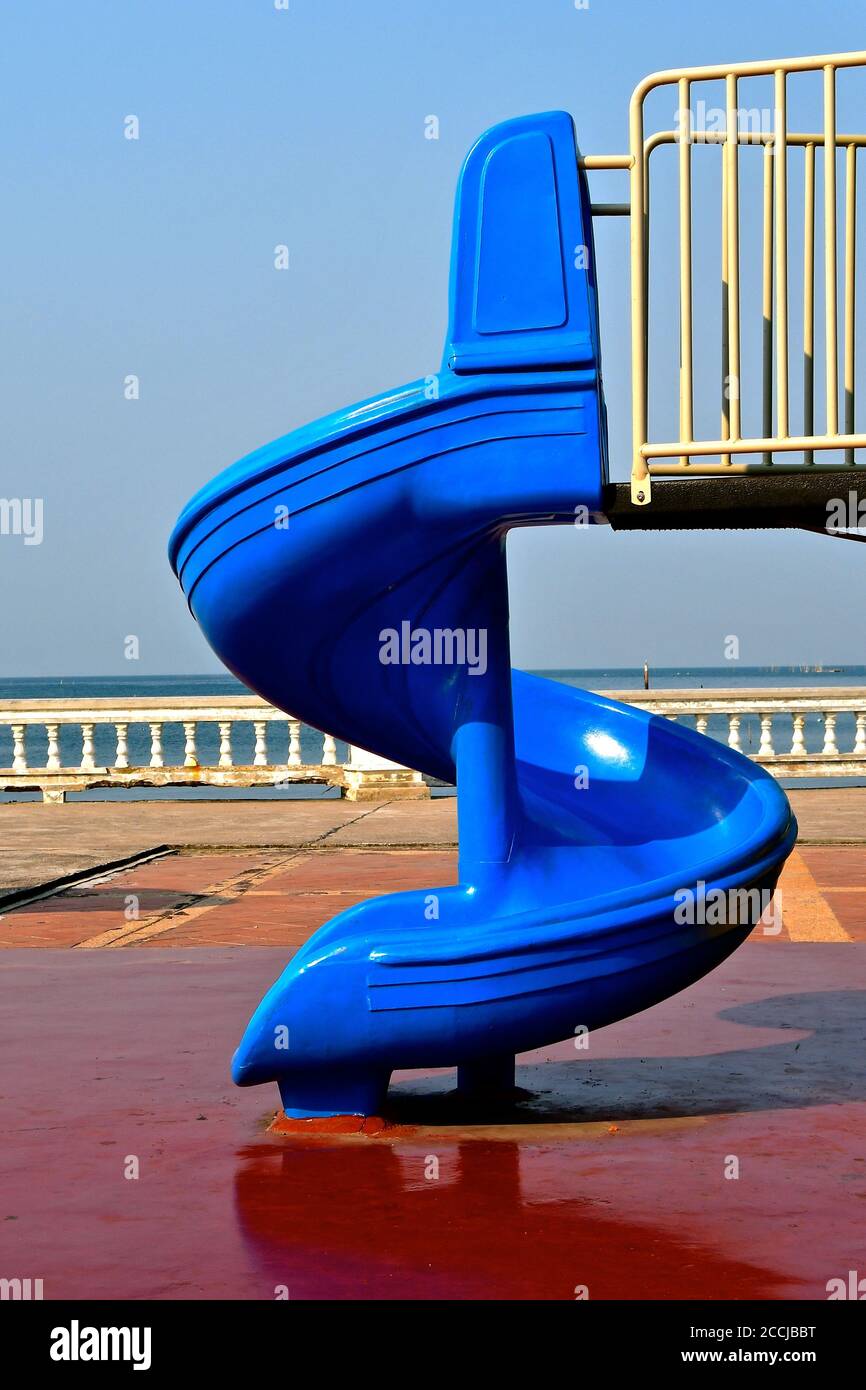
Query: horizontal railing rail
(61,746)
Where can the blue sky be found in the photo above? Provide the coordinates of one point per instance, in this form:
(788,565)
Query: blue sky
(154,257)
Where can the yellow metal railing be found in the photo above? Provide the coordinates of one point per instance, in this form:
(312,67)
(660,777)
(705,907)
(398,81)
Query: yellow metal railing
(677,456)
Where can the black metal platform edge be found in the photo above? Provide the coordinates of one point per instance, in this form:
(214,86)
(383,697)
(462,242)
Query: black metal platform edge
(804,500)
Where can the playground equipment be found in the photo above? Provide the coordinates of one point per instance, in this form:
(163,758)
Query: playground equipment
(584,825)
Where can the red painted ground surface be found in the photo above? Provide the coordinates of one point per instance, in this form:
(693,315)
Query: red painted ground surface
(612,1178)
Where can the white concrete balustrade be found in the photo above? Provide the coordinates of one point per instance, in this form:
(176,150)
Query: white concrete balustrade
(283,751)
(792,732)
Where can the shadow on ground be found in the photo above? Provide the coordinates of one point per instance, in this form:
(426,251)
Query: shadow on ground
(823,1067)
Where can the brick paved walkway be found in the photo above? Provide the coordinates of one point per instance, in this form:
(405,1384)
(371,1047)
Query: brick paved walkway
(279,897)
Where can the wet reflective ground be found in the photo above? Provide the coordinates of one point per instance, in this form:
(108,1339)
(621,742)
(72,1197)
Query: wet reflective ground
(608,1176)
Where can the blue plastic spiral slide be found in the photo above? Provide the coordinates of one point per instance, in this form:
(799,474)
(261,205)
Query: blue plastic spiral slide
(583,823)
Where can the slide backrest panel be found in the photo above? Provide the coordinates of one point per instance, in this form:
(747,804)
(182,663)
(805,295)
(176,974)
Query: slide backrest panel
(523,293)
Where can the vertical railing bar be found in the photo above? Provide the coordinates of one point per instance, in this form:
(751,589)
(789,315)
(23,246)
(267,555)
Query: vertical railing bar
(809,299)
(850,272)
(637,237)
(156,758)
(53,759)
(294,756)
(87,759)
(645,221)
(830,749)
(767,307)
(781,147)
(190,753)
(831,351)
(732,150)
(19,747)
(725,428)
(685,155)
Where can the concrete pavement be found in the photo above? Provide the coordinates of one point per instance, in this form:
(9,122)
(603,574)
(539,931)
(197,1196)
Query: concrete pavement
(41,845)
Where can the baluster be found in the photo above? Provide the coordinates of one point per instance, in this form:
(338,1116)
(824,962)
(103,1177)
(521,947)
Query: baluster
(261,756)
(798,746)
(121,758)
(87,763)
(765,748)
(734,732)
(329,751)
(294,743)
(53,761)
(701,723)
(19,751)
(829,748)
(225,744)
(190,754)
(860,735)
(156,745)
